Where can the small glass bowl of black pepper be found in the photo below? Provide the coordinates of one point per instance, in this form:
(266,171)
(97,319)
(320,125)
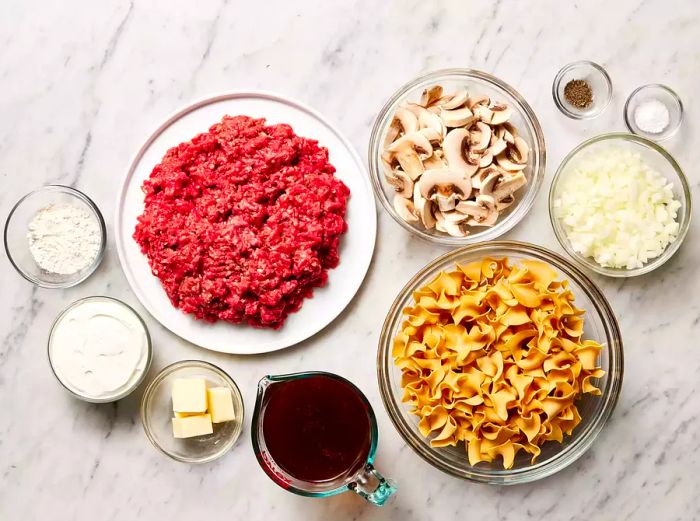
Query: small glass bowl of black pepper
(582,90)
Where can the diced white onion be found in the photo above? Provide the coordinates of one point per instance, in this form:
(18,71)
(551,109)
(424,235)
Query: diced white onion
(616,209)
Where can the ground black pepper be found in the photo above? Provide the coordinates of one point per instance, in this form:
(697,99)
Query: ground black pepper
(579,94)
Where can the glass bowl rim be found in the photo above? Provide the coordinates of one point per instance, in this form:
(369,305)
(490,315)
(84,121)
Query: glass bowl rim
(580,441)
(167,371)
(103,236)
(537,177)
(686,208)
(560,76)
(149,349)
(664,135)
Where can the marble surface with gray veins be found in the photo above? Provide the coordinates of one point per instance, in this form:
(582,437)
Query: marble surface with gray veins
(82,83)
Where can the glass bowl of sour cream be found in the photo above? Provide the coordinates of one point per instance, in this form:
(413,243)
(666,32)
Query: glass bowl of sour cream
(99,349)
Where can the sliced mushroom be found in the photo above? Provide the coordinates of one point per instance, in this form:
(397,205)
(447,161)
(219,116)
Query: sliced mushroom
(498,131)
(457,100)
(453,147)
(440,223)
(489,179)
(474,157)
(410,162)
(449,227)
(387,163)
(444,202)
(404,207)
(410,150)
(510,129)
(520,151)
(457,118)
(508,184)
(489,204)
(481,137)
(483,113)
(436,161)
(508,138)
(456,216)
(407,120)
(480,212)
(478,100)
(504,162)
(392,132)
(424,208)
(428,119)
(445,182)
(401,182)
(434,136)
(498,146)
(486,159)
(501,114)
(505,202)
(431,95)
(471,209)
(478,178)
(415,109)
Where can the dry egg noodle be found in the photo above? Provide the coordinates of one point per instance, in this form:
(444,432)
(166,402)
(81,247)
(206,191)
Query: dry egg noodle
(493,355)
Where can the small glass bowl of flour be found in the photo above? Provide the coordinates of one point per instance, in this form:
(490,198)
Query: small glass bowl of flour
(55,236)
(654,111)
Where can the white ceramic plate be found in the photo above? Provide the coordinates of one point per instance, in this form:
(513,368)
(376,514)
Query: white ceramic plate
(356,249)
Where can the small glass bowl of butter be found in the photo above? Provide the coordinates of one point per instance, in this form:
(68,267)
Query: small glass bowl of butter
(178,426)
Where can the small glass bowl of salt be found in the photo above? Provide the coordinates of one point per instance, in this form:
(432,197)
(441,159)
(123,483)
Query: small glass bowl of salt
(55,236)
(653,111)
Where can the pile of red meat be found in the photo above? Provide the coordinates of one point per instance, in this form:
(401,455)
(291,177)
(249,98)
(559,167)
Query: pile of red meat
(243,222)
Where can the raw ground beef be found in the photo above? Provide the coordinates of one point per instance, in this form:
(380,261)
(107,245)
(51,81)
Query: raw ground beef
(243,222)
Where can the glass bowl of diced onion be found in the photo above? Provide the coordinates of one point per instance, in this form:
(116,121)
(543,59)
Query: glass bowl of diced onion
(599,325)
(583,230)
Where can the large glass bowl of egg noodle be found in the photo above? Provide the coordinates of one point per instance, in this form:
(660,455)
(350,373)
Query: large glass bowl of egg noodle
(600,325)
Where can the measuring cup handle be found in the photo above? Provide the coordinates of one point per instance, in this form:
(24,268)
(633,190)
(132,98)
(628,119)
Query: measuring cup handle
(367,478)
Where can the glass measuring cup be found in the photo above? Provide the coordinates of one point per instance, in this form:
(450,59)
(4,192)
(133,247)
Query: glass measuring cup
(363,479)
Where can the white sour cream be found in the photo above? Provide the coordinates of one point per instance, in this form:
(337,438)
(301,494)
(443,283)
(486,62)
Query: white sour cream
(99,349)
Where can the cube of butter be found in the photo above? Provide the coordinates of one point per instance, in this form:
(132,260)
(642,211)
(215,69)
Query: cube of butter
(191,426)
(186,414)
(190,395)
(220,404)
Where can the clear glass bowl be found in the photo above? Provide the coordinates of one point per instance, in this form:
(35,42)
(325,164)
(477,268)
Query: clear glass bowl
(664,95)
(523,119)
(661,161)
(600,325)
(157,414)
(17,226)
(595,76)
(125,392)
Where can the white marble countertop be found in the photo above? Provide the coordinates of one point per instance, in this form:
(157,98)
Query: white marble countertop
(82,83)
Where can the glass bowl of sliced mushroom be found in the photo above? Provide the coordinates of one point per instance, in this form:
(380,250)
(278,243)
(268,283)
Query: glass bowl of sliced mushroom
(457,157)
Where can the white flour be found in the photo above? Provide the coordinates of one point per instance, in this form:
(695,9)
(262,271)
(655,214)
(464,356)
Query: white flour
(64,239)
